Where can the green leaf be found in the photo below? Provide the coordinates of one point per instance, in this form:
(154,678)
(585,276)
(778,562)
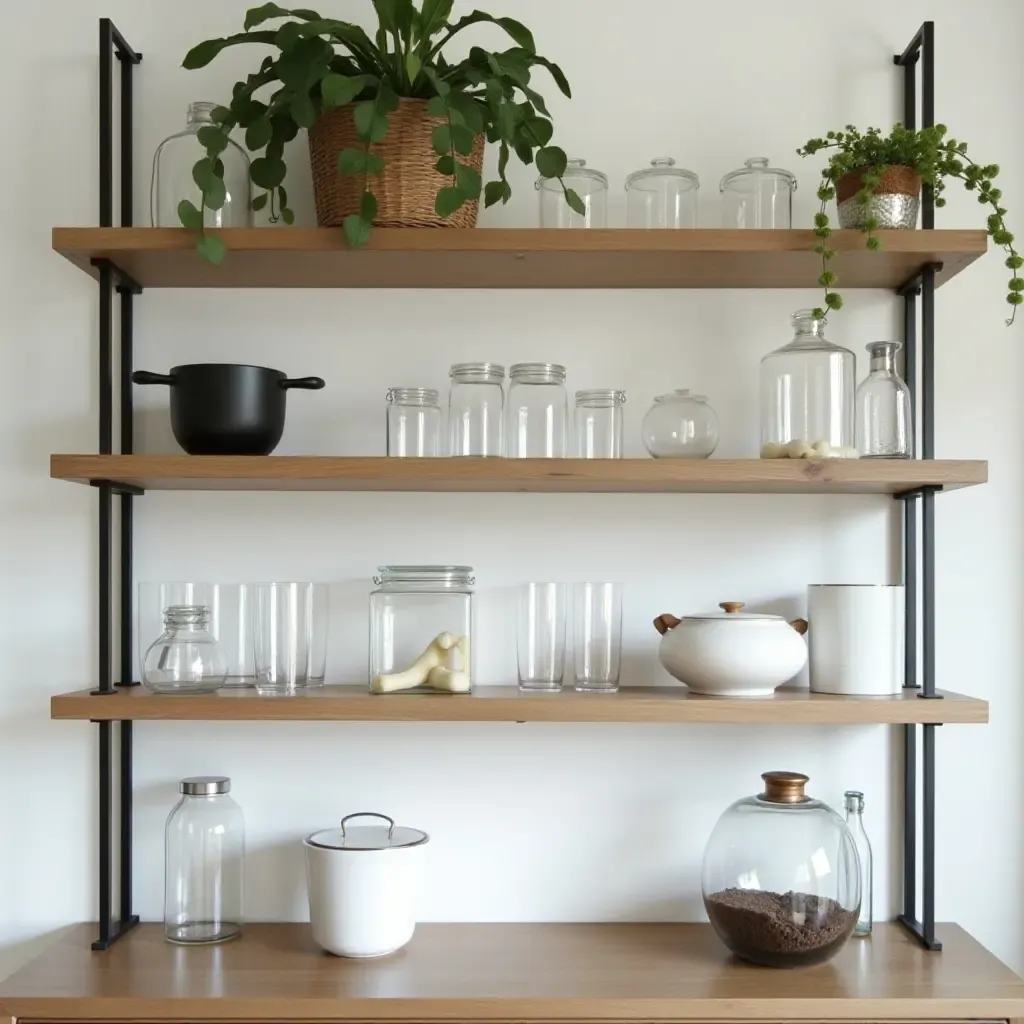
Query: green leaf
(258,134)
(267,173)
(440,85)
(449,200)
(288,216)
(551,162)
(556,73)
(508,121)
(446,166)
(433,17)
(190,216)
(540,129)
(413,64)
(536,99)
(468,180)
(302,110)
(258,15)
(441,138)
(575,203)
(211,248)
(288,36)
(216,194)
(220,114)
(519,32)
(469,111)
(212,139)
(462,139)
(339,90)
(357,231)
(260,201)
(496,192)
(368,206)
(202,173)
(437,106)
(502,160)
(359,161)
(201,55)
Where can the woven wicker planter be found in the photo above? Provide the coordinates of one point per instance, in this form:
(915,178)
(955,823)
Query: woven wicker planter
(408,185)
(895,202)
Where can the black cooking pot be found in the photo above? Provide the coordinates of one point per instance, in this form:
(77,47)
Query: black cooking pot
(227,409)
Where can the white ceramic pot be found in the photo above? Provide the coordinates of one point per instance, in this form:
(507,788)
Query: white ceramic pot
(363,886)
(732,653)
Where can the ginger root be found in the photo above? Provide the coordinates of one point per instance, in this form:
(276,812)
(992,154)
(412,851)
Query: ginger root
(432,667)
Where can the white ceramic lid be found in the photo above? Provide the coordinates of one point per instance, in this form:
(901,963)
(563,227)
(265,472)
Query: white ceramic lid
(731,610)
(368,837)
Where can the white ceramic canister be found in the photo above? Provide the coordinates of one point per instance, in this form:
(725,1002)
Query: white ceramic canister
(363,884)
(856,639)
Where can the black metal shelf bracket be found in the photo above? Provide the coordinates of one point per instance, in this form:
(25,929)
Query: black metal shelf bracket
(919,529)
(115,745)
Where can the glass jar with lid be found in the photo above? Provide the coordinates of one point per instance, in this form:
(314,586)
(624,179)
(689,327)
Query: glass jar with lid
(680,425)
(421,626)
(476,403)
(757,196)
(807,393)
(662,196)
(781,876)
(414,423)
(590,185)
(599,423)
(185,658)
(537,412)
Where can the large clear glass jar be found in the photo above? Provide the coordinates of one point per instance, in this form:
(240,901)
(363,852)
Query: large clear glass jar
(537,412)
(203,863)
(590,185)
(662,196)
(172,177)
(421,629)
(414,423)
(680,425)
(781,876)
(185,658)
(476,404)
(884,428)
(807,392)
(599,423)
(757,196)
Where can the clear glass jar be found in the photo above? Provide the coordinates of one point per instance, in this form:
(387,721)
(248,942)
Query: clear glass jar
(185,658)
(599,423)
(590,185)
(414,423)
(662,196)
(884,427)
(204,851)
(680,425)
(781,878)
(476,404)
(537,412)
(855,823)
(421,628)
(172,177)
(807,392)
(757,196)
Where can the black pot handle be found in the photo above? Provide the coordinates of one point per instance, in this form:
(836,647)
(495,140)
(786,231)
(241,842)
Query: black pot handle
(306,383)
(145,377)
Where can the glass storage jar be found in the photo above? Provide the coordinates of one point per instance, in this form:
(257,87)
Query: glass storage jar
(476,404)
(599,423)
(414,423)
(781,878)
(680,425)
(185,658)
(204,850)
(590,185)
(884,427)
(537,412)
(807,392)
(662,196)
(757,196)
(172,177)
(421,625)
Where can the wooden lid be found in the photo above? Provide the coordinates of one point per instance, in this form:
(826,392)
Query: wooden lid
(784,788)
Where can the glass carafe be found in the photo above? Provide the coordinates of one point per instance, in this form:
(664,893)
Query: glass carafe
(172,177)
(537,412)
(781,876)
(662,196)
(185,658)
(590,185)
(757,196)
(884,429)
(807,396)
(855,823)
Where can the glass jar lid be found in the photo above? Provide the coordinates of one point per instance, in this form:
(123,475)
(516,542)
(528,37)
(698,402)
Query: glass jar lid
(426,575)
(537,373)
(600,398)
(732,610)
(477,373)
(413,396)
(368,837)
(681,395)
(205,785)
(747,177)
(663,174)
(579,176)
(785,788)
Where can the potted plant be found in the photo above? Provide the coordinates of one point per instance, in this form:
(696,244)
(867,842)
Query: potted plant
(876,180)
(396,132)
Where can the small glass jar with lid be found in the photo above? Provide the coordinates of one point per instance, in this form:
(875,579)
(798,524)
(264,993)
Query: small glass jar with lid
(421,628)
(599,423)
(414,423)
(757,196)
(476,403)
(537,412)
(185,658)
(680,425)
(662,196)
(807,396)
(590,185)
(781,879)
(884,427)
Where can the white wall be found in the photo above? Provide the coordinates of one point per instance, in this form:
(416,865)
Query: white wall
(530,822)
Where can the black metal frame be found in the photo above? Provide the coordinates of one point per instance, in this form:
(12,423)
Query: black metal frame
(919,528)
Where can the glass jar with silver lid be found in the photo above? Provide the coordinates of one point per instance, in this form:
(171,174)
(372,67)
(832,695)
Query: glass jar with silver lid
(662,196)
(413,423)
(757,196)
(476,402)
(537,412)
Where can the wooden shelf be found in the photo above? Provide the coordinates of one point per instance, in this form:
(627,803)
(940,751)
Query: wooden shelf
(518,258)
(649,704)
(509,972)
(625,476)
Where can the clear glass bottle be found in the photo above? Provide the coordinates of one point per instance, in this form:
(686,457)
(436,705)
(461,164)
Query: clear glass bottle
(757,196)
(185,658)
(204,851)
(807,396)
(599,423)
(414,423)
(855,823)
(662,196)
(884,427)
(537,412)
(781,878)
(421,629)
(172,177)
(590,185)
(680,425)
(476,404)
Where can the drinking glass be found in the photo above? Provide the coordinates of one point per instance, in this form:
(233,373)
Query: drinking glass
(598,636)
(541,633)
(291,636)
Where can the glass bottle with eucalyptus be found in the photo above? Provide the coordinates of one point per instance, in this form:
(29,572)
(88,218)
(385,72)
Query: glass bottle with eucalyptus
(855,823)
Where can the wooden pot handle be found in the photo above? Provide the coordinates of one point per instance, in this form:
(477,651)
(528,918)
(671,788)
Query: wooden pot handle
(800,625)
(663,623)
(732,606)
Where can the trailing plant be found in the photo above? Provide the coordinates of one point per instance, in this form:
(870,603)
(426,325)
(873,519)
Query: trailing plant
(320,64)
(935,159)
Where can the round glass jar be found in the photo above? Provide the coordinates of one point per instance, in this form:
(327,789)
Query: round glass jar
(421,626)
(757,196)
(662,196)
(590,185)
(781,876)
(185,658)
(680,425)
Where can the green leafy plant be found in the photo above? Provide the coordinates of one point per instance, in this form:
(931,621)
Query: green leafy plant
(935,158)
(320,64)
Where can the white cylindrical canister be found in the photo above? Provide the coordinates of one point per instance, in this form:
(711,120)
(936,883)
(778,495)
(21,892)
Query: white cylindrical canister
(856,639)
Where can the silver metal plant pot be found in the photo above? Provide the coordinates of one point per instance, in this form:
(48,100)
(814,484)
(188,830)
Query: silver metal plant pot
(895,203)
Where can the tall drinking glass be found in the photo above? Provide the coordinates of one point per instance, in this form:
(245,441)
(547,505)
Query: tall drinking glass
(291,636)
(541,633)
(598,636)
